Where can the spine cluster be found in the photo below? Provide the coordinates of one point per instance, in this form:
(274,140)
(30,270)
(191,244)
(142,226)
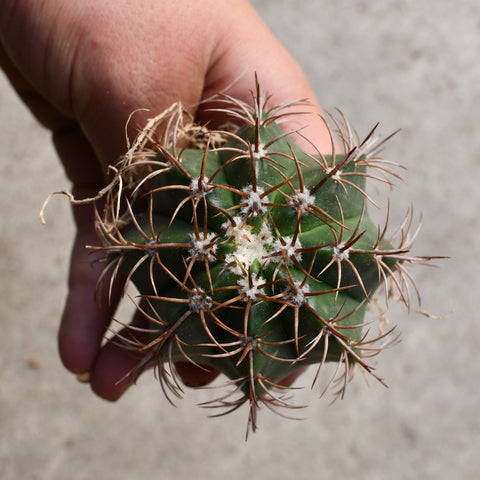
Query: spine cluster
(250,255)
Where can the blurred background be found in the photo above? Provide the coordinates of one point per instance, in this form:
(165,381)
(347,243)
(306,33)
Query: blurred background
(407,64)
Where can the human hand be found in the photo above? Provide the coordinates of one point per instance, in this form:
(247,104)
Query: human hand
(82,68)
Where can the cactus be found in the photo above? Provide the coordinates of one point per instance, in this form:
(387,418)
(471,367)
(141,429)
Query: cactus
(251,256)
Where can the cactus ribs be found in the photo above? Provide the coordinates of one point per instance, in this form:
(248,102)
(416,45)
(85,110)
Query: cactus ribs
(251,256)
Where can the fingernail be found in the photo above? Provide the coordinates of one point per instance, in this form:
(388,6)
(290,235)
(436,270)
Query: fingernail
(84,377)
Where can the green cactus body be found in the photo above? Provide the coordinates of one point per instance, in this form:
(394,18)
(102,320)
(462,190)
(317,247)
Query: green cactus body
(252,256)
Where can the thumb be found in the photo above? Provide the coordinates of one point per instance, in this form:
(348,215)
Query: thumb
(247,48)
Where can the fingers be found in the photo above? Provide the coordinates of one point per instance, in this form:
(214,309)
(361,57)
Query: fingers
(194,376)
(88,312)
(121,360)
(116,365)
(289,379)
(88,307)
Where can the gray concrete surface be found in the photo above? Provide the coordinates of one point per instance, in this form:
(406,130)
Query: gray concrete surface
(411,64)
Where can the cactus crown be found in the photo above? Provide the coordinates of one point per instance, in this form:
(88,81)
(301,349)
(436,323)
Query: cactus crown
(250,255)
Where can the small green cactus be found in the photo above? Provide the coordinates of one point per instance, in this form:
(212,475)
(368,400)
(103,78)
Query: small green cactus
(250,255)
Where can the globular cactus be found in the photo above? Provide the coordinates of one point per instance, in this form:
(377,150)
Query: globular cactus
(251,256)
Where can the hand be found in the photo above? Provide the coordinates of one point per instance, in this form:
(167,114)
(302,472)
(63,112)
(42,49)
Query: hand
(82,68)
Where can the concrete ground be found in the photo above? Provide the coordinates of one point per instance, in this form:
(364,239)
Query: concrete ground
(411,64)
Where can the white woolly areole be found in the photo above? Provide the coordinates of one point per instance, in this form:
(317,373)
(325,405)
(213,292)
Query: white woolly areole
(203,246)
(337,175)
(252,290)
(251,247)
(261,152)
(296,293)
(199,187)
(254,202)
(199,301)
(287,252)
(302,200)
(337,251)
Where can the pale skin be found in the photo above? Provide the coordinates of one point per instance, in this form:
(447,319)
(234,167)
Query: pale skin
(82,67)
